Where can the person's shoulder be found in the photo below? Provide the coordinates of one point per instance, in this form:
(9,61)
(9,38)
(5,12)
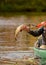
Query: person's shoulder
(41,29)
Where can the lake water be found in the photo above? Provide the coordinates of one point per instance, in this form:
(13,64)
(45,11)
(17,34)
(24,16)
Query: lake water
(11,49)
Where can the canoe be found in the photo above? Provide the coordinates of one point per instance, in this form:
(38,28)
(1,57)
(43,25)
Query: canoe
(41,53)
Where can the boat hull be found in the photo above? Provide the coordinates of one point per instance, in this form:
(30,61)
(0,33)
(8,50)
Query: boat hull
(41,53)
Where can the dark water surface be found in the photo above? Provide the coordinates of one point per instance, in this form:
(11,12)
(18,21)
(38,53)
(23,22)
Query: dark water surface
(11,49)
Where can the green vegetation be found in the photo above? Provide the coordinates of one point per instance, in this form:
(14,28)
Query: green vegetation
(22,5)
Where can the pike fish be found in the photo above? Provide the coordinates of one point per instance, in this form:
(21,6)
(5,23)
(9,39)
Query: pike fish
(19,29)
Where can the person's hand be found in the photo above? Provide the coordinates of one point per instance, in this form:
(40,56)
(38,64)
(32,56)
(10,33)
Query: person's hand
(24,27)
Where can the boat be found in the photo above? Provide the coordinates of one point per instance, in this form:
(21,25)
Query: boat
(40,54)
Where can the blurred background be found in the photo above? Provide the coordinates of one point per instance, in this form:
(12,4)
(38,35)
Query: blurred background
(23,6)
(12,14)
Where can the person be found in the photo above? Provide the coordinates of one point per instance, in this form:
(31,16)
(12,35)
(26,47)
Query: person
(40,31)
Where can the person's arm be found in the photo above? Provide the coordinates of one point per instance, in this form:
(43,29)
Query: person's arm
(36,32)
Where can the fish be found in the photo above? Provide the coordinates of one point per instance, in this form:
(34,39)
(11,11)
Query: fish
(18,30)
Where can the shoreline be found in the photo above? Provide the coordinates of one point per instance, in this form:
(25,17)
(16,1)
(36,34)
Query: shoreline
(11,14)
